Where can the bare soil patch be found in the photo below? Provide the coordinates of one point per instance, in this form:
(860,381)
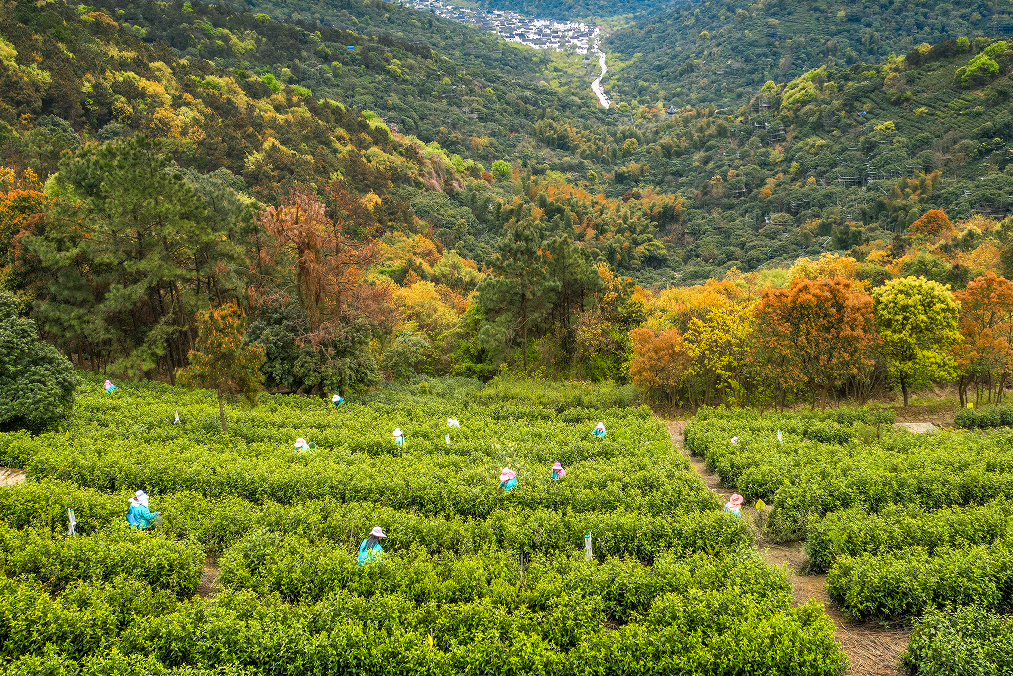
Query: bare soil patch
(872,650)
(10,476)
(941,415)
(209,578)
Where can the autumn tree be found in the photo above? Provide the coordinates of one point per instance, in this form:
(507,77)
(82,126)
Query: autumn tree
(22,207)
(985,355)
(934,222)
(718,348)
(659,361)
(816,332)
(220,361)
(917,323)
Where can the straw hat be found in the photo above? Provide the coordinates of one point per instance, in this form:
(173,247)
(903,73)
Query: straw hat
(378,532)
(735,500)
(507,474)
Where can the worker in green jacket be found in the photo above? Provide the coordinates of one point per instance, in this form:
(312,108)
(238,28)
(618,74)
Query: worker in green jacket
(138,514)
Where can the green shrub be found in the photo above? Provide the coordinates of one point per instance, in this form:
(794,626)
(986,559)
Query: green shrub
(908,582)
(962,642)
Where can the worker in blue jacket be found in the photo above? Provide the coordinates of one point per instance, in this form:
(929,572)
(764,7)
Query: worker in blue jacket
(370,551)
(507,480)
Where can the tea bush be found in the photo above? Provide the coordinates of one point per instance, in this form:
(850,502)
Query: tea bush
(471,581)
(963,642)
(901,523)
(1000,415)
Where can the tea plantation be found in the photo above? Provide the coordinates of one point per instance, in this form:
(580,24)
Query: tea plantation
(907,527)
(471,581)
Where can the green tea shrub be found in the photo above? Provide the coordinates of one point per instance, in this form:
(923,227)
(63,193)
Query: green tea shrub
(907,582)
(57,561)
(961,642)
(852,532)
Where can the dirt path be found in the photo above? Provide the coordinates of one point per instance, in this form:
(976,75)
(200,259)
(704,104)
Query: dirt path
(9,477)
(208,579)
(872,650)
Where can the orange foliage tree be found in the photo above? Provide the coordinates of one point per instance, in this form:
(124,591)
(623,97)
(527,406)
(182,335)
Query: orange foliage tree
(21,198)
(985,356)
(817,333)
(933,223)
(328,265)
(659,361)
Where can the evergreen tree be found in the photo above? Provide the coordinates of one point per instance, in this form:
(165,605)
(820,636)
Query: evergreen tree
(36,381)
(130,251)
(520,292)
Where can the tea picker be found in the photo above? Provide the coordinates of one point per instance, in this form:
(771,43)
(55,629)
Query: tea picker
(398,436)
(71,521)
(734,505)
(507,480)
(176,421)
(558,472)
(337,400)
(109,386)
(599,430)
(303,447)
(370,551)
(138,514)
(451,422)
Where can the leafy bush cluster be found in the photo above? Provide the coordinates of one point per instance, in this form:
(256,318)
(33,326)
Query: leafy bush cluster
(967,641)
(1000,415)
(901,523)
(470,580)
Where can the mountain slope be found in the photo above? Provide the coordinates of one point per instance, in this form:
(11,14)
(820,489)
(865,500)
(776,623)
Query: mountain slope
(722,52)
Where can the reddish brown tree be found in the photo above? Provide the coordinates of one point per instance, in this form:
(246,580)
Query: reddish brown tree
(328,265)
(985,356)
(660,361)
(816,333)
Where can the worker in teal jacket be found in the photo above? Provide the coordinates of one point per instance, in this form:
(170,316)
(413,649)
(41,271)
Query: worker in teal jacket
(507,480)
(370,551)
(138,514)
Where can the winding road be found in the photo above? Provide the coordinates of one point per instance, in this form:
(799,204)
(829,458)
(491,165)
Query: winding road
(596,85)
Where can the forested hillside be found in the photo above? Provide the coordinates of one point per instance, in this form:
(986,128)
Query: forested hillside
(269,165)
(719,51)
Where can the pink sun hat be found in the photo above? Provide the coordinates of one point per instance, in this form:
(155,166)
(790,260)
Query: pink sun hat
(557,466)
(507,474)
(735,500)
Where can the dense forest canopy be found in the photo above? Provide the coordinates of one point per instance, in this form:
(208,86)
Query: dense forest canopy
(720,51)
(389,192)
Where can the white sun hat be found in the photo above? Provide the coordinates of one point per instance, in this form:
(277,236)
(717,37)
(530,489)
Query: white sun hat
(300,443)
(378,532)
